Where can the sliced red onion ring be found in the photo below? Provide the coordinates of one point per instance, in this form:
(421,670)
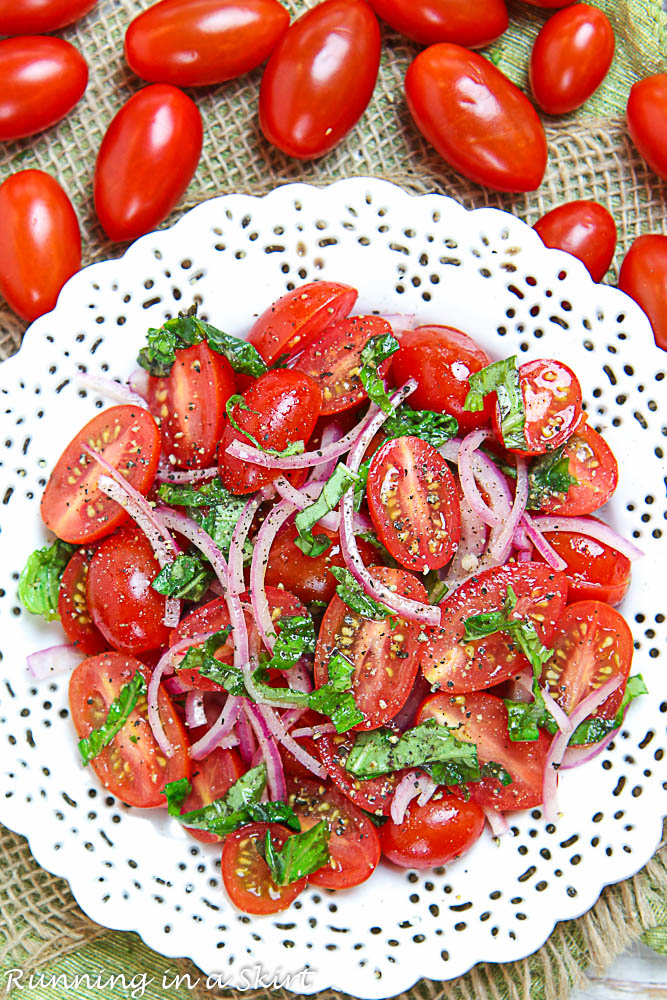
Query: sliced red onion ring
(520,688)
(274,766)
(594,529)
(247,742)
(138,382)
(112,389)
(278,729)
(547,551)
(471,546)
(229,741)
(560,741)
(299,677)
(220,729)
(500,547)
(306,496)
(312,731)
(200,538)
(576,756)
(239,536)
(186,476)
(194,710)
(469,446)
(497,822)
(174,685)
(54,660)
(560,717)
(260,557)
(164,665)
(407,789)
(429,789)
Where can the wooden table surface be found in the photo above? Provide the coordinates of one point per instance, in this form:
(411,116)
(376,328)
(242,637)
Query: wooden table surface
(639,974)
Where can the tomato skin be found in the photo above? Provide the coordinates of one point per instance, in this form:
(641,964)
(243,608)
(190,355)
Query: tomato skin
(434,833)
(570,58)
(441,359)
(246,875)
(146,161)
(286,406)
(94,684)
(552,398)
(211,778)
(646,115)
(583,228)
(385,659)
(595,571)
(128,438)
(482,719)
(73,609)
(32,17)
(457,667)
(42,79)
(476,119)
(591,643)
(40,242)
(309,579)
(320,78)
(644,278)
(592,464)
(550,4)
(372,794)
(414,504)
(190,403)
(431,21)
(195,44)
(298,316)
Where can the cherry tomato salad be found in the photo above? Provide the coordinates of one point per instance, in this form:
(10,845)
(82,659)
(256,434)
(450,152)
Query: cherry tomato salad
(335,591)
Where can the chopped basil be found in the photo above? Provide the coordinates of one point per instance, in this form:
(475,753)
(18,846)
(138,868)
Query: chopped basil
(340,480)
(381,751)
(40,580)
(214,508)
(593,730)
(375,351)
(361,483)
(186,578)
(202,658)
(293,448)
(119,712)
(436,428)
(547,475)
(436,588)
(208,495)
(295,639)
(301,855)
(524,720)
(185,330)
(353,594)
(501,377)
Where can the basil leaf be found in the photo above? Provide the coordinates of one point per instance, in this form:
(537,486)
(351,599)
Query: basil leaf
(186,578)
(353,594)
(214,508)
(301,855)
(202,658)
(196,656)
(594,730)
(159,354)
(295,639)
(501,377)
(119,712)
(436,428)
(525,720)
(338,483)
(381,751)
(494,770)
(242,356)
(208,495)
(548,475)
(335,698)
(375,351)
(521,630)
(39,582)
(293,448)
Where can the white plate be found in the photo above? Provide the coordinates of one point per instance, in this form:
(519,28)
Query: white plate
(488,274)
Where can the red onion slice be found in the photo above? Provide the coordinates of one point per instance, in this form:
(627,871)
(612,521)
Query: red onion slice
(501,546)
(594,529)
(111,389)
(428,787)
(186,476)
(274,766)
(313,731)
(200,538)
(260,557)
(407,789)
(194,710)
(138,382)
(247,741)
(220,729)
(469,446)
(547,551)
(54,660)
(278,729)
(559,715)
(497,821)
(471,546)
(576,756)
(239,535)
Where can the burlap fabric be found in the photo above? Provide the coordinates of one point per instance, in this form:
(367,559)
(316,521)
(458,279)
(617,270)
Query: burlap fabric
(41,927)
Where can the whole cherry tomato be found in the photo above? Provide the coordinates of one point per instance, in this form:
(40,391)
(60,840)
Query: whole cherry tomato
(320,78)
(647,121)
(32,17)
(584,229)
(430,21)
(478,121)
(644,278)
(146,160)
(570,58)
(193,43)
(40,242)
(42,79)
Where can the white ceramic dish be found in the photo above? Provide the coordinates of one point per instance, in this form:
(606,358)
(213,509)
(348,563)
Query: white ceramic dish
(488,274)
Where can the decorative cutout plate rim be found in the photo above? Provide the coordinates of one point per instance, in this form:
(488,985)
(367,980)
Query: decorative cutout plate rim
(497,247)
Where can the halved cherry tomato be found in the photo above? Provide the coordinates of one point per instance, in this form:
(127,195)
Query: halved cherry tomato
(552,399)
(132,767)
(282,407)
(72,506)
(189,404)
(458,667)
(430,21)
(40,242)
(644,278)
(595,571)
(354,845)
(146,161)
(320,78)
(584,229)
(482,719)
(385,655)
(372,794)
(571,57)
(334,360)
(246,875)
(195,43)
(35,17)
(73,606)
(592,643)
(42,79)
(309,579)
(211,778)
(414,504)
(432,834)
(441,359)
(591,462)
(478,121)
(299,316)
(647,121)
